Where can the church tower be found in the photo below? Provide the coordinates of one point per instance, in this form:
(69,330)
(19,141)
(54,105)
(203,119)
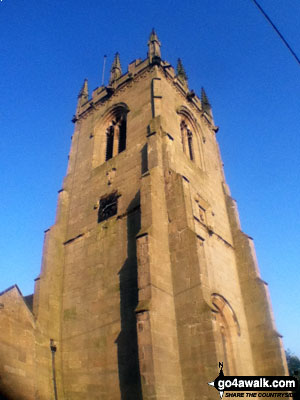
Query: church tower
(147,279)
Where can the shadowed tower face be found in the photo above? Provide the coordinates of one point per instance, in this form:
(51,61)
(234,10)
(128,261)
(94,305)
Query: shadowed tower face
(147,280)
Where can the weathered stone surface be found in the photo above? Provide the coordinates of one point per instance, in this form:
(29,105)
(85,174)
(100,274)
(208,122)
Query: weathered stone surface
(17,367)
(143,304)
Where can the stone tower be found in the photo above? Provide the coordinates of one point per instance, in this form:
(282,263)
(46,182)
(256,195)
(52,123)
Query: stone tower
(147,280)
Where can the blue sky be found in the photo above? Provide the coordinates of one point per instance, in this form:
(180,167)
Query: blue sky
(47,49)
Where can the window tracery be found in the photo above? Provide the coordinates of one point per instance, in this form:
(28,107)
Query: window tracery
(191,136)
(116,135)
(187,138)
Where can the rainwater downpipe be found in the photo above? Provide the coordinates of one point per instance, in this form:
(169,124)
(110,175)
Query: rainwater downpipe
(53,351)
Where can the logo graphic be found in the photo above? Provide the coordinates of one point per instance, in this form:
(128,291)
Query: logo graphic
(216,381)
(257,384)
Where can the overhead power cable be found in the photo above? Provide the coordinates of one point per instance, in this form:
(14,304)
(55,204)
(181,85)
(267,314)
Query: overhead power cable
(277,31)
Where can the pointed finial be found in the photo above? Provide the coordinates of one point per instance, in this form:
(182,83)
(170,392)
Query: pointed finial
(204,100)
(116,70)
(181,74)
(154,47)
(153,36)
(83,97)
(84,92)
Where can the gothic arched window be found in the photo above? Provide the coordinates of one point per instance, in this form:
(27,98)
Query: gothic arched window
(190,144)
(116,135)
(187,139)
(191,136)
(227,329)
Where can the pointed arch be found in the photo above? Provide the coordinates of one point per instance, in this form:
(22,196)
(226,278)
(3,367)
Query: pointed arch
(111,134)
(115,109)
(227,329)
(190,136)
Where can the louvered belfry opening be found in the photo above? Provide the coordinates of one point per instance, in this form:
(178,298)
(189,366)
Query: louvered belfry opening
(122,133)
(116,134)
(109,142)
(190,143)
(187,139)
